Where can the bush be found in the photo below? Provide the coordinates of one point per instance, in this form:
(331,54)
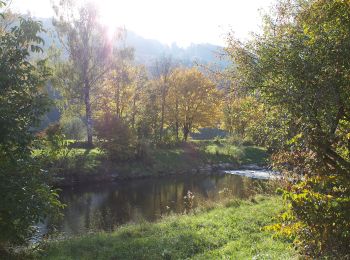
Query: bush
(26,199)
(115,138)
(73,128)
(55,148)
(318,216)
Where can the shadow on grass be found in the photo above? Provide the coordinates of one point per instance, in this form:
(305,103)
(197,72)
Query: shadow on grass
(255,155)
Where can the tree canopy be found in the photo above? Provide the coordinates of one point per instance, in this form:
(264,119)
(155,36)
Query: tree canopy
(301,64)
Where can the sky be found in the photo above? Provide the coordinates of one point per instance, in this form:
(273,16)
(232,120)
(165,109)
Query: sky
(180,21)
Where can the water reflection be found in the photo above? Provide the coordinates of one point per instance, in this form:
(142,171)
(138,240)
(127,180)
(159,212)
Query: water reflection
(105,206)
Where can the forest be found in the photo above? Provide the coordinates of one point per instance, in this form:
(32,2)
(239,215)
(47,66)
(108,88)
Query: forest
(120,159)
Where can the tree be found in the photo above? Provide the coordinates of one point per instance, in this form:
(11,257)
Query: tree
(89,50)
(148,126)
(301,65)
(116,138)
(162,70)
(117,89)
(241,115)
(25,196)
(139,87)
(193,101)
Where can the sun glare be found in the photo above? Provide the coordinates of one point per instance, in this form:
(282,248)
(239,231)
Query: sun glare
(141,16)
(182,21)
(168,21)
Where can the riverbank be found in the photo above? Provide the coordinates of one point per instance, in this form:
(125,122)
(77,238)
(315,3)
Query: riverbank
(205,157)
(233,230)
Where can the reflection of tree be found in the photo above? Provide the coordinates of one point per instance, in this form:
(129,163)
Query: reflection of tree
(80,211)
(87,214)
(89,208)
(253,186)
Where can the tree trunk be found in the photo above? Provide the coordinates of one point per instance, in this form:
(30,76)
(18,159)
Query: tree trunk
(185,131)
(89,125)
(118,100)
(162,117)
(177,130)
(133,113)
(177,120)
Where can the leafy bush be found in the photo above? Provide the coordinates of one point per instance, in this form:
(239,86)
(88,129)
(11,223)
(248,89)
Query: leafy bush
(319,205)
(26,199)
(54,148)
(115,138)
(73,128)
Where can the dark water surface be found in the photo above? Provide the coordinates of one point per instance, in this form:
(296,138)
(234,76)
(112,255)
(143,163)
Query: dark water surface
(104,206)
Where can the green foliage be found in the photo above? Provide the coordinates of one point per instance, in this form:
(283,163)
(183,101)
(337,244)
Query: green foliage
(115,138)
(242,115)
(25,197)
(54,149)
(227,232)
(300,66)
(20,82)
(251,122)
(318,215)
(73,127)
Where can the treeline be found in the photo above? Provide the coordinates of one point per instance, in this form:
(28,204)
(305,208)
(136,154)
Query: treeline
(102,88)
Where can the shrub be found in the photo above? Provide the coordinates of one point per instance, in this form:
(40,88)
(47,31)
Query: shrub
(55,148)
(73,128)
(115,138)
(318,216)
(26,199)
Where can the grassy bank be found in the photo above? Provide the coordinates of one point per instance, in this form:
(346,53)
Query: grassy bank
(160,160)
(232,231)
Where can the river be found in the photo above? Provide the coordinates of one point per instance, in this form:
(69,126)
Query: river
(104,206)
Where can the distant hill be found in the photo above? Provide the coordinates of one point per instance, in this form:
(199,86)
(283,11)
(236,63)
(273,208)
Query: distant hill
(148,50)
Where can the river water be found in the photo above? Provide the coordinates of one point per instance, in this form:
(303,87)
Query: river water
(104,206)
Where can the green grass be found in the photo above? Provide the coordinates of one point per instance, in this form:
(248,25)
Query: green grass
(86,160)
(226,152)
(207,152)
(73,159)
(232,231)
